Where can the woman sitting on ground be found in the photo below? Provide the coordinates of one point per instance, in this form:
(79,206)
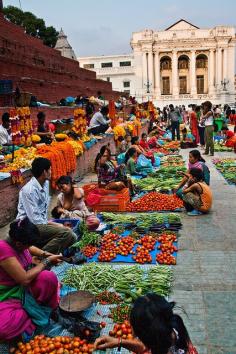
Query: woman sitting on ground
(71,205)
(110,176)
(157,329)
(18,278)
(195,161)
(130,161)
(197,196)
(140,150)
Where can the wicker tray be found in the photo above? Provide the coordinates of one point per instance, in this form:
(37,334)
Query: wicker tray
(76,301)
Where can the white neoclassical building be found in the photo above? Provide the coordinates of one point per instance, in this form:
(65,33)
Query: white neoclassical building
(182,64)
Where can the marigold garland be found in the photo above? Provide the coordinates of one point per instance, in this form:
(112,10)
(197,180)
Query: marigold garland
(62,157)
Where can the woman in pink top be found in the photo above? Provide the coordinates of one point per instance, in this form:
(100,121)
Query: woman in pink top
(17,276)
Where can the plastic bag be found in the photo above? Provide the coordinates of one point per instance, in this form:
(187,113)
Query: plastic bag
(93,198)
(143,162)
(121,158)
(157,161)
(80,326)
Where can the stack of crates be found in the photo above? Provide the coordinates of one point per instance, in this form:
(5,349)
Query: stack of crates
(113,200)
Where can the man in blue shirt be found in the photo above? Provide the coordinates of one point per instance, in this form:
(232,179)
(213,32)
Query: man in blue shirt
(34,202)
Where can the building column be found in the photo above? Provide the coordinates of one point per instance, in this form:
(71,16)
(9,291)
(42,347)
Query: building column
(175,79)
(231,67)
(211,71)
(150,71)
(157,74)
(144,69)
(225,64)
(193,73)
(219,68)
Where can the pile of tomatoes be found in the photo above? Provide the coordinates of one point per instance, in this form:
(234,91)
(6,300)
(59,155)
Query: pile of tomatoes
(125,245)
(154,201)
(89,251)
(165,258)
(167,249)
(110,237)
(108,252)
(167,237)
(148,242)
(123,331)
(58,345)
(142,255)
(108,249)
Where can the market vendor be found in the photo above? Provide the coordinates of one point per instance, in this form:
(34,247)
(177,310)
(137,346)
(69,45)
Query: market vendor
(231,139)
(5,135)
(124,144)
(71,205)
(197,196)
(156,328)
(140,150)
(130,162)
(33,203)
(195,161)
(43,129)
(99,123)
(18,279)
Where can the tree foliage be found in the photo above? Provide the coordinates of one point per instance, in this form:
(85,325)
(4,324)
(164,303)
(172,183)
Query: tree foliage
(33,25)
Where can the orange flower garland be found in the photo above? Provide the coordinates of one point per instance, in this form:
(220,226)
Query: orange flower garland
(80,122)
(21,126)
(62,157)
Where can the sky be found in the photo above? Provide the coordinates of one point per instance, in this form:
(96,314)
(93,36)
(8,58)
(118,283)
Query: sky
(104,27)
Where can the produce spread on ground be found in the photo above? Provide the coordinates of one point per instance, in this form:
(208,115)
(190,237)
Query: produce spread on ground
(227,167)
(136,249)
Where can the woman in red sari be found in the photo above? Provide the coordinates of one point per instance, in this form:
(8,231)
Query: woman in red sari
(158,330)
(194,124)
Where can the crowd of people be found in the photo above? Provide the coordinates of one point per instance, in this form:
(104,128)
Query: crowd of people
(35,244)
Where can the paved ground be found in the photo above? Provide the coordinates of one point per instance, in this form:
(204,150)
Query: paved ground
(205,276)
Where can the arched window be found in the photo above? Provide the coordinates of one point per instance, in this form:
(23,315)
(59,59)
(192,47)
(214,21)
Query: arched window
(165,63)
(201,61)
(183,62)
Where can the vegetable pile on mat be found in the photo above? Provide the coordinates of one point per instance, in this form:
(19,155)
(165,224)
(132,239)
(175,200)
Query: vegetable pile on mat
(129,281)
(227,167)
(154,201)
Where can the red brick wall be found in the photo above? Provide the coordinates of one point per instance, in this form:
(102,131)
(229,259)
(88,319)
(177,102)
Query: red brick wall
(41,70)
(51,112)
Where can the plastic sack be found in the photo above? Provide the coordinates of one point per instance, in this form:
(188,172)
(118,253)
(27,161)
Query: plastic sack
(93,198)
(143,163)
(157,161)
(121,158)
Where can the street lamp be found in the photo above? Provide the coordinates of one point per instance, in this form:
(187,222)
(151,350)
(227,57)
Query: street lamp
(148,86)
(224,83)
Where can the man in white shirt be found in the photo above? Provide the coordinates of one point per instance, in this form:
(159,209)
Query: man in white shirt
(34,202)
(5,137)
(99,123)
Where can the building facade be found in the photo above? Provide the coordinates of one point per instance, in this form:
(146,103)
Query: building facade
(117,69)
(182,64)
